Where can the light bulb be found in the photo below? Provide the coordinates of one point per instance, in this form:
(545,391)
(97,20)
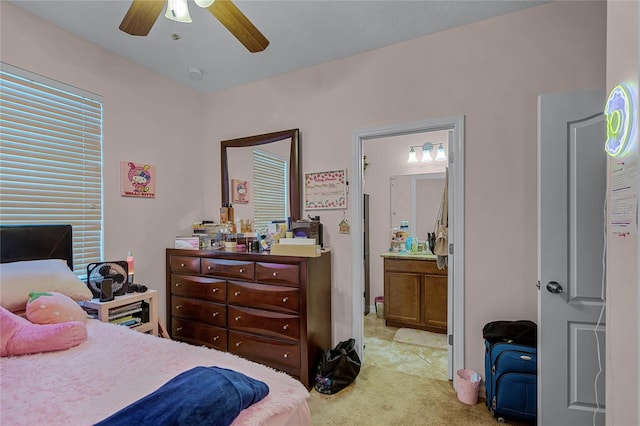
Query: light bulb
(426,152)
(178,10)
(204,3)
(412,156)
(440,156)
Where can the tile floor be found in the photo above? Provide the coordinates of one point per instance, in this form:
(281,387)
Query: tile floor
(380,349)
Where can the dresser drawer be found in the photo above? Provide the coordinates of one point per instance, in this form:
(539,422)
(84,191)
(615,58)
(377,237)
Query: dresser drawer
(278,273)
(228,268)
(199,287)
(284,299)
(199,310)
(268,323)
(278,354)
(186,264)
(198,333)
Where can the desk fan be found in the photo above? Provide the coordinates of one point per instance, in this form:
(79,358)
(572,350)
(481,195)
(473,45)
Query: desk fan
(115,270)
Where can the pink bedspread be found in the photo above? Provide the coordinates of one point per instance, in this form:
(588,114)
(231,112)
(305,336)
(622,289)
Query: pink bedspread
(116,367)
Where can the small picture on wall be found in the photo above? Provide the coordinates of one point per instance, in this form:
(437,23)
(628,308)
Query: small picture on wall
(240,190)
(137,180)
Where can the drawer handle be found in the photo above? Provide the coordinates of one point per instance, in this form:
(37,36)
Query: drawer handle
(178,306)
(209,268)
(238,318)
(215,290)
(182,265)
(241,270)
(237,293)
(275,274)
(178,284)
(216,338)
(286,355)
(285,327)
(285,299)
(238,344)
(179,329)
(215,314)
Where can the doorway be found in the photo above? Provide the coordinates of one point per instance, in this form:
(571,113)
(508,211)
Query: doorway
(455,282)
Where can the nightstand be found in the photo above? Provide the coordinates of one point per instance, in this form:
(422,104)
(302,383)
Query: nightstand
(106,311)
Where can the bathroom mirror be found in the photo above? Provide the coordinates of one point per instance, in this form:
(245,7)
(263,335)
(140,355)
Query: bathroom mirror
(236,156)
(416,198)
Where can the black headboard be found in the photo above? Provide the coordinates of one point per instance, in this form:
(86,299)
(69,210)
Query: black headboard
(34,242)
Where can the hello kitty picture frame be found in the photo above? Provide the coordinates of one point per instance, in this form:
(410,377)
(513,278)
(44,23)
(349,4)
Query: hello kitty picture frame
(137,180)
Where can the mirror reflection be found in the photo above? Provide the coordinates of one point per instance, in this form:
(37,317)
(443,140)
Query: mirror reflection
(416,199)
(260,177)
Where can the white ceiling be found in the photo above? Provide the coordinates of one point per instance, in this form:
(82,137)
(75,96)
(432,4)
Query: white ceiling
(302,33)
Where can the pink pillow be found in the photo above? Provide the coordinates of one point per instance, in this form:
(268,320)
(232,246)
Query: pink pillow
(53,308)
(18,336)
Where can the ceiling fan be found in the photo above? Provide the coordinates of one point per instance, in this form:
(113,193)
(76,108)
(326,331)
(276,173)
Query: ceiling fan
(142,14)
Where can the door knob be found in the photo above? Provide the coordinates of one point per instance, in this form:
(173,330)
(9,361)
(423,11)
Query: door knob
(554,287)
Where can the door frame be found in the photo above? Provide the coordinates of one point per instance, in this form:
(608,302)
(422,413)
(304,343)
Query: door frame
(455,280)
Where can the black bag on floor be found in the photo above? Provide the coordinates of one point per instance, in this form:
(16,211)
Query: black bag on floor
(522,332)
(338,368)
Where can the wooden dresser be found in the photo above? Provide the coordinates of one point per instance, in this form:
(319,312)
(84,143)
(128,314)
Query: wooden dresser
(275,310)
(415,293)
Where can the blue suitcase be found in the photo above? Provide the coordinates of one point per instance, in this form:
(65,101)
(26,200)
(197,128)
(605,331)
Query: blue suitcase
(511,381)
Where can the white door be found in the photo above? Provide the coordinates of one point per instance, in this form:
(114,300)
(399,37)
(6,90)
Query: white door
(572,168)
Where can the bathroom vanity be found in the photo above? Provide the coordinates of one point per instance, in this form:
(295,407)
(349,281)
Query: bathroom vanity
(415,292)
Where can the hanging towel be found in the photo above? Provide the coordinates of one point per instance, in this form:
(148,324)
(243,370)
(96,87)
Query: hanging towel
(441,248)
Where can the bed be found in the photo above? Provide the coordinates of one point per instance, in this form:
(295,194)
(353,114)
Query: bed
(117,368)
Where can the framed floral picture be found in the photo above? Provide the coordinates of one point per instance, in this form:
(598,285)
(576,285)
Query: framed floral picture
(240,191)
(137,180)
(325,190)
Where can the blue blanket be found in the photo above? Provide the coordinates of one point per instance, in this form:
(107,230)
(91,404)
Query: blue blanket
(200,396)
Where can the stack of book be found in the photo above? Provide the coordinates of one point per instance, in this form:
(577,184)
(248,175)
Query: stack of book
(130,315)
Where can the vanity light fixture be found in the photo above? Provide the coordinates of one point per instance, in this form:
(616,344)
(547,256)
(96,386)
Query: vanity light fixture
(427,150)
(178,10)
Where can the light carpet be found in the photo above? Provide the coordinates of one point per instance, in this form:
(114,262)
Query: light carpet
(421,338)
(380,396)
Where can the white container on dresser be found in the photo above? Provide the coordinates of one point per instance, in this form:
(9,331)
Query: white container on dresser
(275,310)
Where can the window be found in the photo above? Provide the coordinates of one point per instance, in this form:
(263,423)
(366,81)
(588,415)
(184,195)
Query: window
(51,158)
(270,188)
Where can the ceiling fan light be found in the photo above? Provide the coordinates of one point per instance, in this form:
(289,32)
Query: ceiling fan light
(440,156)
(178,10)
(204,3)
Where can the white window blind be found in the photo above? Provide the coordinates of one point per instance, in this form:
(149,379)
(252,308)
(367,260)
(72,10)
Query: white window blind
(51,158)
(270,188)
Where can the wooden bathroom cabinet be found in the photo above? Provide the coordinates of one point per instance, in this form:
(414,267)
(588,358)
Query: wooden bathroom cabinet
(415,294)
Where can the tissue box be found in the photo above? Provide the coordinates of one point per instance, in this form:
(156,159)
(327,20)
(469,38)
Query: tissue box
(296,250)
(189,243)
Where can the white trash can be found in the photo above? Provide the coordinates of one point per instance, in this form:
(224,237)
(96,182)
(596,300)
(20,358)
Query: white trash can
(379,306)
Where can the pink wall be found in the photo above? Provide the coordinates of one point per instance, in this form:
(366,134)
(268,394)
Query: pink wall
(492,72)
(622,253)
(138,107)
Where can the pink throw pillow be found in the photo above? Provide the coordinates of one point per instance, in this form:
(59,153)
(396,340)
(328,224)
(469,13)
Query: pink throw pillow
(53,308)
(18,336)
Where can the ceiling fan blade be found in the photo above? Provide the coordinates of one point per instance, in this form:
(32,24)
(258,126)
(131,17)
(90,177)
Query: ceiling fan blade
(141,16)
(230,16)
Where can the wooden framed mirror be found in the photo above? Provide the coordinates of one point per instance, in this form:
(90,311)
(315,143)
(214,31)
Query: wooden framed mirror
(238,147)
